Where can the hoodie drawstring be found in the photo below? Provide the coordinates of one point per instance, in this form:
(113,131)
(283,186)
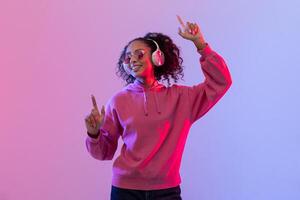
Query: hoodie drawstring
(145,104)
(156,102)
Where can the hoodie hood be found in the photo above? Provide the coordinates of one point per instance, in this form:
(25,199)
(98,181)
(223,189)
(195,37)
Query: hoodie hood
(138,87)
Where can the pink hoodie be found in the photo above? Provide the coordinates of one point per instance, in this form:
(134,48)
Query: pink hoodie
(154,124)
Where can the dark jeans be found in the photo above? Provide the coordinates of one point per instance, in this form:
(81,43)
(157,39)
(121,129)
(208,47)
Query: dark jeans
(128,194)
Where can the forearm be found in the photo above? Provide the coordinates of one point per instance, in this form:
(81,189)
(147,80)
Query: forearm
(217,75)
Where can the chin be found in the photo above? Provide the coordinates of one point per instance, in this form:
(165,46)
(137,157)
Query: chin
(138,74)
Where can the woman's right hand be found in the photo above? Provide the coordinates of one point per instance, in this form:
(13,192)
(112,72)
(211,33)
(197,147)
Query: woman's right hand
(95,119)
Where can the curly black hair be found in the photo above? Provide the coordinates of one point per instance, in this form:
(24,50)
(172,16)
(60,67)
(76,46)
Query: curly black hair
(172,67)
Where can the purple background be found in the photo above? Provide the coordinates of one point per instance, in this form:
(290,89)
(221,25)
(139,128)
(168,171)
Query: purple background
(55,54)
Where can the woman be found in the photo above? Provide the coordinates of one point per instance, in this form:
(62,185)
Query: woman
(152,119)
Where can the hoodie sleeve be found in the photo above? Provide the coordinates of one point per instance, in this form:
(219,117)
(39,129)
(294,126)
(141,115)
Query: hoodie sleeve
(105,145)
(204,96)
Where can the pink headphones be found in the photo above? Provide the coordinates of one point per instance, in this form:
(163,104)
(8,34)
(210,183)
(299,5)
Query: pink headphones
(158,57)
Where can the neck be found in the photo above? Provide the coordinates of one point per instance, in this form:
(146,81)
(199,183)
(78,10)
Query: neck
(148,82)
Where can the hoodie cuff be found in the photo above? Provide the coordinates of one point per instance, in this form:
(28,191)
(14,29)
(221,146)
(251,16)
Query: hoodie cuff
(93,138)
(206,51)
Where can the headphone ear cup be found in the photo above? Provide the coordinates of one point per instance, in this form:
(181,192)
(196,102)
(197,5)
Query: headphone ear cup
(158,58)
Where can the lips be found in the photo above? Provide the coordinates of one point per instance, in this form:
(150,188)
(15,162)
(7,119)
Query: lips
(136,67)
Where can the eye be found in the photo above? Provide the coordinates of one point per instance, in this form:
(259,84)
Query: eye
(139,54)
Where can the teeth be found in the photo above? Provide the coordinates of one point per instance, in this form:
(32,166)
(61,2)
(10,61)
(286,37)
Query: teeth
(135,67)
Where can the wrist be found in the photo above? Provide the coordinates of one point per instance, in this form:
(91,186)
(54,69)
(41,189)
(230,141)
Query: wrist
(94,135)
(200,44)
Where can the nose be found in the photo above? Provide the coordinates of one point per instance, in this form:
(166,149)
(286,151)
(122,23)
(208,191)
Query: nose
(133,59)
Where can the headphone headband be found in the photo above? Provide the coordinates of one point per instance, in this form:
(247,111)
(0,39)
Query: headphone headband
(157,47)
(158,57)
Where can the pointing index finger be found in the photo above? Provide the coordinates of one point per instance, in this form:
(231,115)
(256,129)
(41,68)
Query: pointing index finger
(94,102)
(180,21)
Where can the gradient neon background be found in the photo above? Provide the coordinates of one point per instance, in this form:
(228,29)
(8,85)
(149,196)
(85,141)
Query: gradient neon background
(55,54)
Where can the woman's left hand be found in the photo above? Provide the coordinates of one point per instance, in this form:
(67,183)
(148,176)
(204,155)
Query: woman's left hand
(191,31)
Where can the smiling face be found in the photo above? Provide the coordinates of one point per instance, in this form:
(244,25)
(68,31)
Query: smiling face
(138,60)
